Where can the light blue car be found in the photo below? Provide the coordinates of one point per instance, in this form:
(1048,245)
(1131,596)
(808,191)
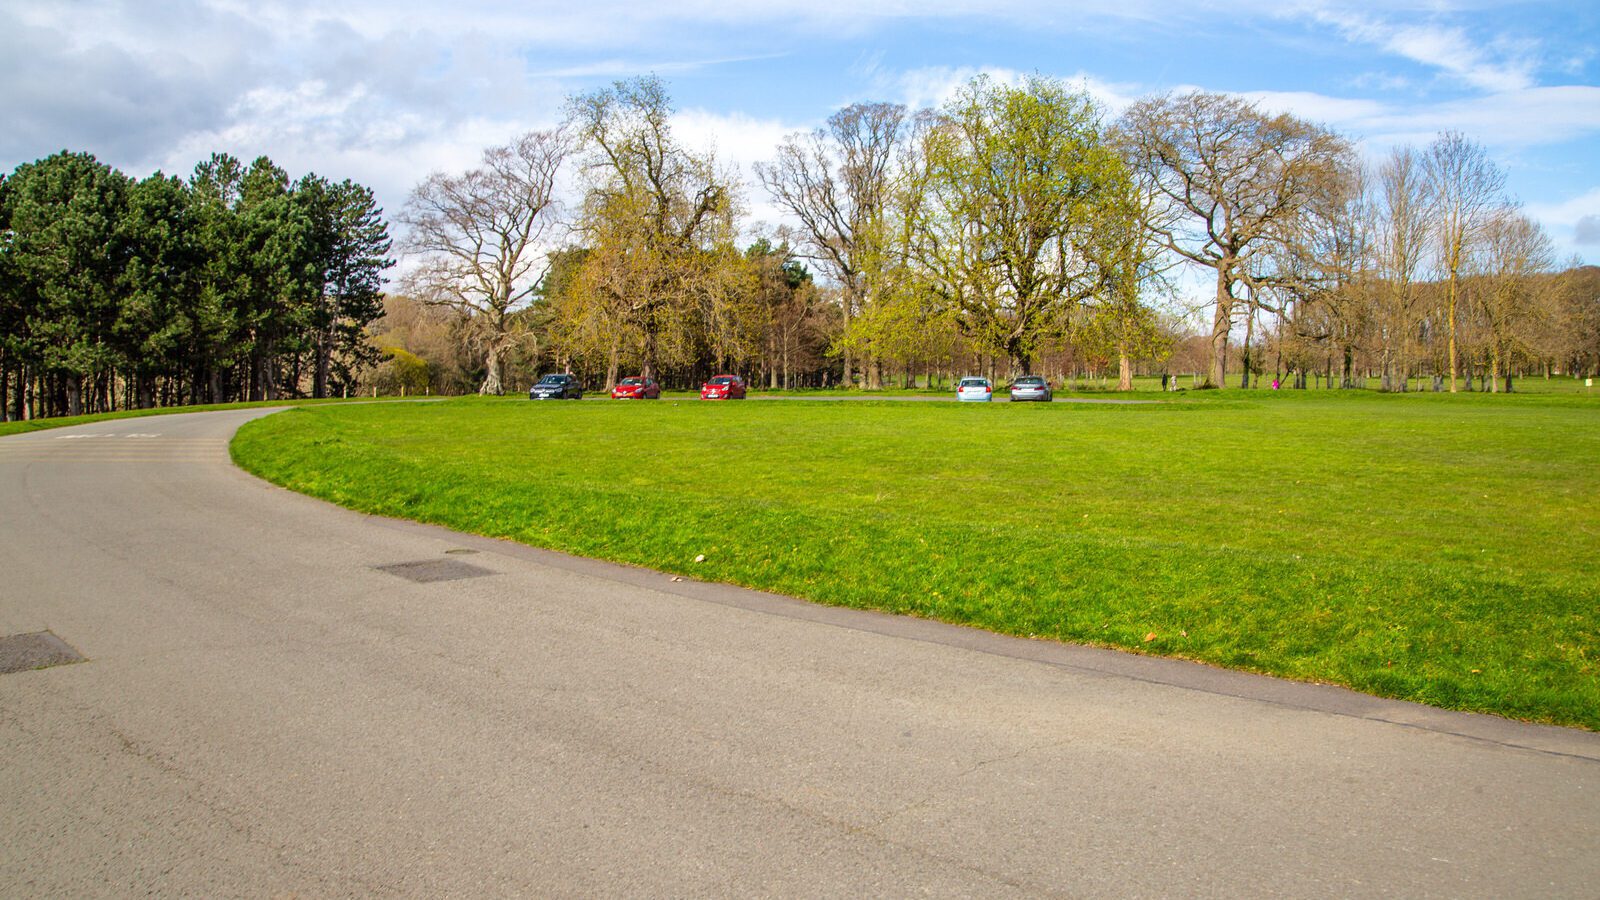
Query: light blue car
(975,390)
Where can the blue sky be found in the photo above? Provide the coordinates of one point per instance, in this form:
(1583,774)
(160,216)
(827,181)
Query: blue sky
(384,91)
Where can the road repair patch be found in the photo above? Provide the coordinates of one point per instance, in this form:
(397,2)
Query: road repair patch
(39,650)
(431,570)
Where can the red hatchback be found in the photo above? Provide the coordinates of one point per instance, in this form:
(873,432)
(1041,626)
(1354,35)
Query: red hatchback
(723,387)
(640,388)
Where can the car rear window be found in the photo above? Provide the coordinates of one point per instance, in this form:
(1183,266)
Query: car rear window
(973,382)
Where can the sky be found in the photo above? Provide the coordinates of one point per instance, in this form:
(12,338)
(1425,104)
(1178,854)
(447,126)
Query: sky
(384,92)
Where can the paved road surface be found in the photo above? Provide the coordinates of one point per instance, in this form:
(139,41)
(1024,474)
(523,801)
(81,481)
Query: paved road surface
(267,712)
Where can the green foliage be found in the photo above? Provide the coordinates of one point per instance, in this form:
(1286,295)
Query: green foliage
(221,286)
(63,257)
(1428,547)
(404,371)
(1017,177)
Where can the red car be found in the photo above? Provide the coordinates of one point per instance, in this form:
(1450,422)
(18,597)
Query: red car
(640,388)
(723,387)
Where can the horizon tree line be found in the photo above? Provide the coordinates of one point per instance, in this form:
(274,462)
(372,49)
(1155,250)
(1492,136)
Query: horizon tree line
(1014,227)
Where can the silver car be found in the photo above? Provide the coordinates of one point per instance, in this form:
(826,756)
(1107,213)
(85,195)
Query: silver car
(1031,387)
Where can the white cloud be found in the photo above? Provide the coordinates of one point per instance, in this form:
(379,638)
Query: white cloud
(739,142)
(933,86)
(1573,223)
(1504,66)
(1334,111)
(1511,120)
(384,91)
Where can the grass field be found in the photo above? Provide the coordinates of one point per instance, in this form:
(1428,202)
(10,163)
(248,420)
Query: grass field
(1434,548)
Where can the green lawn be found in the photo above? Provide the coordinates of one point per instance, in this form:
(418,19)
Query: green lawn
(1435,548)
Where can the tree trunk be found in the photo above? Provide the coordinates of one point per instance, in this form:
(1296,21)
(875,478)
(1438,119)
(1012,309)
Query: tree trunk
(1249,335)
(267,379)
(491,376)
(319,377)
(1124,367)
(846,301)
(74,384)
(1221,324)
(1450,317)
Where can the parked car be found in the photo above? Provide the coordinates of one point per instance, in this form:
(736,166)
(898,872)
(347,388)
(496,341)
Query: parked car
(723,387)
(557,387)
(639,388)
(976,390)
(1031,387)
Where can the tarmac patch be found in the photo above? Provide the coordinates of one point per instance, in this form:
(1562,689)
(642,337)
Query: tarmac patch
(38,650)
(430,570)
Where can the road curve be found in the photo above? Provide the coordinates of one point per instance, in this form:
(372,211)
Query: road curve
(273,704)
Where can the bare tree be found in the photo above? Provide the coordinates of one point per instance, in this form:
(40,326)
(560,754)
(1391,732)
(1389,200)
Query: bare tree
(1402,237)
(480,238)
(1128,258)
(1515,253)
(1329,251)
(1238,178)
(1466,188)
(837,181)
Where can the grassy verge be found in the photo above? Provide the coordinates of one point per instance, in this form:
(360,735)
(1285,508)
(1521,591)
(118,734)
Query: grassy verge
(1430,548)
(63,421)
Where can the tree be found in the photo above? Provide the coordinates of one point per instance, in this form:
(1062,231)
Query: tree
(837,181)
(480,238)
(1516,253)
(1237,179)
(786,303)
(1329,299)
(218,341)
(13,317)
(64,251)
(1016,177)
(280,260)
(1466,188)
(657,221)
(1576,326)
(352,246)
(159,283)
(1126,256)
(1401,239)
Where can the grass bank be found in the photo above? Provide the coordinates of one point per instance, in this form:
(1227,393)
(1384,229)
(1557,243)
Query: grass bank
(1433,548)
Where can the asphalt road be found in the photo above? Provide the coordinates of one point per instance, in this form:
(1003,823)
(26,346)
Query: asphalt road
(266,711)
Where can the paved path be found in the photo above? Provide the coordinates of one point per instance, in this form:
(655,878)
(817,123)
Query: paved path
(265,711)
